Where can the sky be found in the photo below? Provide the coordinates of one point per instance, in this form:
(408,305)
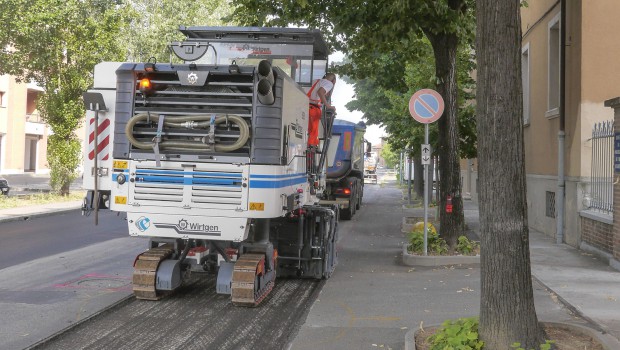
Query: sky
(343,93)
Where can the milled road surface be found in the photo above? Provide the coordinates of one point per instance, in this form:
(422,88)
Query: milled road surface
(195,317)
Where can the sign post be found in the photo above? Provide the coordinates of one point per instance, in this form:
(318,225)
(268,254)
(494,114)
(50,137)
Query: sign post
(93,101)
(426,106)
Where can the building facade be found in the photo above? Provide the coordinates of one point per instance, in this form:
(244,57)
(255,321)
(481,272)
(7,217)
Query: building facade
(592,76)
(23,135)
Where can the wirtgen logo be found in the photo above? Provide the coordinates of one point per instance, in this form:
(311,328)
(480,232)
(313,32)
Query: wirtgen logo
(187,227)
(143,223)
(192,78)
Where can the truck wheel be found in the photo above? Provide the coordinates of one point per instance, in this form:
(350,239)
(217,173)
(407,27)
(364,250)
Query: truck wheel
(346,214)
(360,192)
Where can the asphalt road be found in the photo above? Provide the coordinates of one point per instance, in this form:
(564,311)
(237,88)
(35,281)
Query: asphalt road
(40,237)
(371,301)
(195,317)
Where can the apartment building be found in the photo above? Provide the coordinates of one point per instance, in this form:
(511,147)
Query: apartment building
(23,135)
(591,76)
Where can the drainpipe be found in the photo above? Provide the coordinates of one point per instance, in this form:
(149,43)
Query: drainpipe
(561,133)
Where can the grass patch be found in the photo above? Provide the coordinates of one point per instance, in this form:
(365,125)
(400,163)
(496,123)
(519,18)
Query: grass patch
(38,198)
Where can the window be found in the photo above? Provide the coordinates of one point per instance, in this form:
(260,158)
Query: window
(525,78)
(554,68)
(3,99)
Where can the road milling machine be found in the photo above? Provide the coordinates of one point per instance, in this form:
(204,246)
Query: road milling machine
(209,160)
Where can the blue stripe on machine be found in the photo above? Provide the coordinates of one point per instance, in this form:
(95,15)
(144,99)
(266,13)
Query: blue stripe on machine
(188,180)
(278,183)
(201,173)
(282,176)
(218,179)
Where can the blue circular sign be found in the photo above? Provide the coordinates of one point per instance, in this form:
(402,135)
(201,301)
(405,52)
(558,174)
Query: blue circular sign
(426,106)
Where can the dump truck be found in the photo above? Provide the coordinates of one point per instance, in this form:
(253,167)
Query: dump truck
(345,172)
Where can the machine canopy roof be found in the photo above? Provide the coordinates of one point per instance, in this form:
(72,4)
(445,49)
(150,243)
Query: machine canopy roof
(259,35)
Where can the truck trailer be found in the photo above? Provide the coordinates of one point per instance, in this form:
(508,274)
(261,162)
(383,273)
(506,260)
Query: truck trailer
(209,160)
(345,172)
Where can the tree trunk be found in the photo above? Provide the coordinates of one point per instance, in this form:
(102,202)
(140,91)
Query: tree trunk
(64,189)
(429,177)
(507,313)
(444,48)
(418,173)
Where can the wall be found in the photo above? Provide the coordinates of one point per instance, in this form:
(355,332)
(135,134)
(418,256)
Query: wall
(597,234)
(469,179)
(615,261)
(540,136)
(15,113)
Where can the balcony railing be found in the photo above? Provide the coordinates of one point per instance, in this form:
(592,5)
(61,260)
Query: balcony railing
(34,118)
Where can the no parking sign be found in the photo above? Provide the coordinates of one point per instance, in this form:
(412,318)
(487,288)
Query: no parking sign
(426,106)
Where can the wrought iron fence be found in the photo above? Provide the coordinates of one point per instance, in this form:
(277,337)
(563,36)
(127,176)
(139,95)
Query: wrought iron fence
(601,186)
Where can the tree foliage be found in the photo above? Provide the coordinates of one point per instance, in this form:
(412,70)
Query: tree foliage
(390,155)
(384,99)
(56,44)
(370,32)
(156,24)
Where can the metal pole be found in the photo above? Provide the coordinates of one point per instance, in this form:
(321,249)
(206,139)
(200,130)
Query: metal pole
(410,176)
(426,195)
(96,199)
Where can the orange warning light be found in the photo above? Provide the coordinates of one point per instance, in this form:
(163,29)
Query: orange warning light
(145,84)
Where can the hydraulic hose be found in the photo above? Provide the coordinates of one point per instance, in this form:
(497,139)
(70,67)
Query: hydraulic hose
(197,121)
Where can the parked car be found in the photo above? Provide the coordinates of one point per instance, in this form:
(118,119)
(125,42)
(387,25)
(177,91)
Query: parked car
(4,186)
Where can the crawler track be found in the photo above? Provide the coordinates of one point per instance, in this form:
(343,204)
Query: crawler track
(249,287)
(145,272)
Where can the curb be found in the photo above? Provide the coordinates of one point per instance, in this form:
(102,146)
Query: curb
(25,217)
(608,342)
(438,260)
(597,326)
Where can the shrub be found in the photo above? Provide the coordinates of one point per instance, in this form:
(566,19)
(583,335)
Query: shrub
(459,334)
(466,246)
(436,244)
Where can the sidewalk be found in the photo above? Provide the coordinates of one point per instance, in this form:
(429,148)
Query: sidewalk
(28,183)
(585,283)
(32,211)
(372,301)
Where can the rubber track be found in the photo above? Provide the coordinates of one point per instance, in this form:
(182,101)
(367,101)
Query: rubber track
(145,272)
(245,276)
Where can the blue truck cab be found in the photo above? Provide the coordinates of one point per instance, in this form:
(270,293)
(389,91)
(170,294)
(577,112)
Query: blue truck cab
(345,167)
